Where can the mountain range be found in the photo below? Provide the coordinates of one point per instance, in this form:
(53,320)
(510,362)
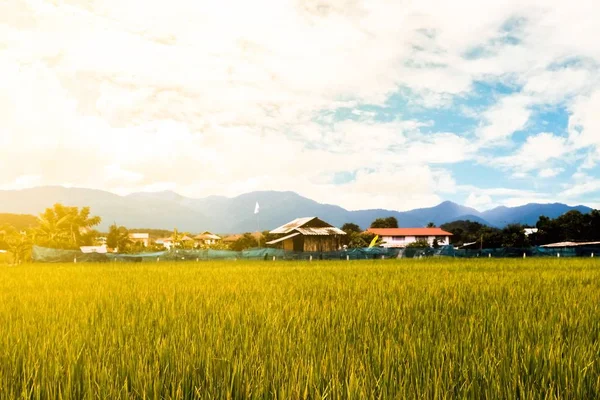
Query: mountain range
(168,210)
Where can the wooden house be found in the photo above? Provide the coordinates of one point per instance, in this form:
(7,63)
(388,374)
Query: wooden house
(308,234)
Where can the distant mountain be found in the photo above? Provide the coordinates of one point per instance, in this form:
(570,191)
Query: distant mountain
(148,212)
(528,214)
(18,221)
(168,210)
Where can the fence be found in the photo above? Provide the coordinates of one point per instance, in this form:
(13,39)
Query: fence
(46,255)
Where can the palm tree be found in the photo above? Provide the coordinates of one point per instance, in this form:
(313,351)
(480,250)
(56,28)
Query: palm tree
(65,227)
(118,238)
(16,242)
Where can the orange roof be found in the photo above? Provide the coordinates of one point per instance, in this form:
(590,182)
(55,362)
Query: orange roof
(409,232)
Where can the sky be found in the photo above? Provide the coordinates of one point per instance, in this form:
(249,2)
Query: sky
(364,104)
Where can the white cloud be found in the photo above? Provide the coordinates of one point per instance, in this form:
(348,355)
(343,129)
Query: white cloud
(581,188)
(584,126)
(550,172)
(509,115)
(191,95)
(535,153)
(479,202)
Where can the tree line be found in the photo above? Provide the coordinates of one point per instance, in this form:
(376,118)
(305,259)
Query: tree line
(574,226)
(70,228)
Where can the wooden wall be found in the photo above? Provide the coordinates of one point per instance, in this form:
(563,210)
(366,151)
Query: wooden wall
(321,243)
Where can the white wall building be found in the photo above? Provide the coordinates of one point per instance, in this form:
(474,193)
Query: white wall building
(143,238)
(402,237)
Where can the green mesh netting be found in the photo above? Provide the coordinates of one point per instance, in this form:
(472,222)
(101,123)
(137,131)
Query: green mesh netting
(46,255)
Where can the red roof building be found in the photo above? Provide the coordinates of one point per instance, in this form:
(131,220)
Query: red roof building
(402,237)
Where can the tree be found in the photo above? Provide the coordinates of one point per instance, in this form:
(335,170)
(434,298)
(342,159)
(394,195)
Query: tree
(431,225)
(390,222)
(66,227)
(419,244)
(350,227)
(355,237)
(514,236)
(17,243)
(436,244)
(247,241)
(267,237)
(118,238)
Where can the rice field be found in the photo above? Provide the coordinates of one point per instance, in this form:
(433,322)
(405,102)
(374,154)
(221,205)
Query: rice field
(429,329)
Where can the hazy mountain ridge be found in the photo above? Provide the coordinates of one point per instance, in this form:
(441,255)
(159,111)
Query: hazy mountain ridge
(168,210)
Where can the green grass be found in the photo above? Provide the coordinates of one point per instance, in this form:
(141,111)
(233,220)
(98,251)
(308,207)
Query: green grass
(369,329)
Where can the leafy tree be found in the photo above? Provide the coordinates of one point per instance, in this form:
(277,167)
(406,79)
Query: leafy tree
(17,243)
(358,240)
(436,244)
(247,241)
(419,244)
(66,227)
(431,225)
(267,236)
(514,236)
(355,237)
(350,227)
(572,226)
(118,238)
(390,222)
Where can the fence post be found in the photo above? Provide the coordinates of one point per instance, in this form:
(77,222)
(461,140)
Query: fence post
(157,259)
(347,257)
(592,255)
(75,260)
(273,258)
(383,257)
(558,255)
(490,255)
(310,258)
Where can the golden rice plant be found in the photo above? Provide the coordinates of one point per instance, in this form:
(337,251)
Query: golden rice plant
(397,329)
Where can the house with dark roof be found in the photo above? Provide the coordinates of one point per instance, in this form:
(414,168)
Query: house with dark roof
(207,238)
(308,234)
(402,237)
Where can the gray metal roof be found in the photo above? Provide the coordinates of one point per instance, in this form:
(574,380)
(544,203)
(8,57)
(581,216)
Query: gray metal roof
(320,231)
(298,226)
(290,226)
(283,238)
(570,244)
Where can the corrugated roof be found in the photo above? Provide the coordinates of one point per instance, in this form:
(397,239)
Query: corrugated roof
(409,232)
(94,249)
(207,235)
(139,235)
(570,244)
(290,226)
(320,231)
(283,238)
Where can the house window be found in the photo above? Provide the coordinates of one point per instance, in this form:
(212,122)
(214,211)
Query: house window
(399,238)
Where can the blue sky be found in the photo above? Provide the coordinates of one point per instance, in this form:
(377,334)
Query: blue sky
(362,104)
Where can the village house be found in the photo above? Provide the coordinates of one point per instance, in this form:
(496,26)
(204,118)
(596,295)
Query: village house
(308,234)
(207,238)
(169,242)
(143,238)
(402,237)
